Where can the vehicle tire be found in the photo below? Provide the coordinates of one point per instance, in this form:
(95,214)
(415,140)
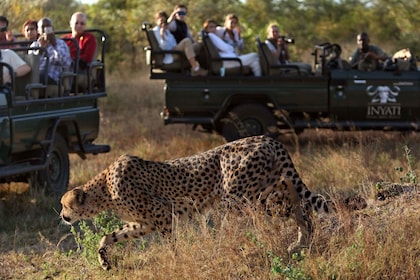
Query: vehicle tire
(248,120)
(55,178)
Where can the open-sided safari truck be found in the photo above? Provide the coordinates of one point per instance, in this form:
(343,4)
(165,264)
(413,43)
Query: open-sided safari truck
(41,124)
(284,99)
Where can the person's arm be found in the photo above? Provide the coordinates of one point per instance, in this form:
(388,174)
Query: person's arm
(171,21)
(163,44)
(379,53)
(220,30)
(22,70)
(276,51)
(239,40)
(190,34)
(88,48)
(221,45)
(354,59)
(19,65)
(60,55)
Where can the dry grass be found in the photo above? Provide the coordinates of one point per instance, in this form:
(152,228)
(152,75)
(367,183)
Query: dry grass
(379,242)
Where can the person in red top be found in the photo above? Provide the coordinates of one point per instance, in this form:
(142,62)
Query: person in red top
(87,41)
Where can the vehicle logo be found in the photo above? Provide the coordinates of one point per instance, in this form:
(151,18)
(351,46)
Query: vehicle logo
(383,104)
(383,94)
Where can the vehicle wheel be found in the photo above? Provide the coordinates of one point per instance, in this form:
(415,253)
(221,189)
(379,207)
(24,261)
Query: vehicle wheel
(248,120)
(55,178)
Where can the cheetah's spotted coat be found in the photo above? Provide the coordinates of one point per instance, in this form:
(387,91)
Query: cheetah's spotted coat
(146,194)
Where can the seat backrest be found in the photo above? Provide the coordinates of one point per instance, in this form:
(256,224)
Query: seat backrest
(24,82)
(157,58)
(214,60)
(68,77)
(262,56)
(270,58)
(267,59)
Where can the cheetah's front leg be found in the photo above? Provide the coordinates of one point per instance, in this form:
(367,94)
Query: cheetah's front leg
(128,231)
(303,221)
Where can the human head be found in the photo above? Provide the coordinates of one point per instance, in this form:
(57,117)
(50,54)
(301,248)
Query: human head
(180,12)
(209,26)
(363,41)
(78,23)
(231,21)
(273,31)
(42,23)
(4,23)
(30,30)
(161,18)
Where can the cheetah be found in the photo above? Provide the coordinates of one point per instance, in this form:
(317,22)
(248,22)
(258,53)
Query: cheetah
(146,194)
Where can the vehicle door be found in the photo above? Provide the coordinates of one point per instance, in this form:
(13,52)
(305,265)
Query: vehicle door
(379,96)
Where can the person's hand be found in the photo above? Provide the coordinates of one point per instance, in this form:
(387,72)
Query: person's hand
(43,41)
(51,39)
(282,44)
(370,55)
(9,35)
(238,30)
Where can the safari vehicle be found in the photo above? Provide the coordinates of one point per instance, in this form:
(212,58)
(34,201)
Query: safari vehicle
(286,100)
(41,125)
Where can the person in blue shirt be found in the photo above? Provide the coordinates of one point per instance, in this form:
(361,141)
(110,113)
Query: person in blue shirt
(56,50)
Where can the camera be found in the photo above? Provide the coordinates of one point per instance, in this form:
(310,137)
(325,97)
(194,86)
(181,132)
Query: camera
(287,40)
(3,29)
(48,30)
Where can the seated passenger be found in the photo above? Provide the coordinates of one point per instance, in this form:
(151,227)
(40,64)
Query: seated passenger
(279,46)
(225,50)
(367,57)
(6,35)
(87,41)
(18,65)
(231,32)
(30,30)
(177,25)
(167,42)
(57,51)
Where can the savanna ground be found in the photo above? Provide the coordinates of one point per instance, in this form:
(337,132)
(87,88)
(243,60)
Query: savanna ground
(381,241)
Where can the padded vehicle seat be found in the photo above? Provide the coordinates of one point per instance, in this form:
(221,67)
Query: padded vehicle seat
(29,86)
(215,61)
(180,64)
(269,64)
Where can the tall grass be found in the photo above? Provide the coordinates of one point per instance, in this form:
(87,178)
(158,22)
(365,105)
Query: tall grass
(379,242)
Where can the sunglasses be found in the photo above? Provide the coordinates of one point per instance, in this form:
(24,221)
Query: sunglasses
(182,13)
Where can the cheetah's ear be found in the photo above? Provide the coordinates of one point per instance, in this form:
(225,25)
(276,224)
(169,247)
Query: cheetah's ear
(80,196)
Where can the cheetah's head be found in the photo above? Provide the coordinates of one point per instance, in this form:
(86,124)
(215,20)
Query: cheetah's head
(75,206)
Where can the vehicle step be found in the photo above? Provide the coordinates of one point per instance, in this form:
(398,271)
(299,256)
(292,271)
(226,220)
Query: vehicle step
(96,149)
